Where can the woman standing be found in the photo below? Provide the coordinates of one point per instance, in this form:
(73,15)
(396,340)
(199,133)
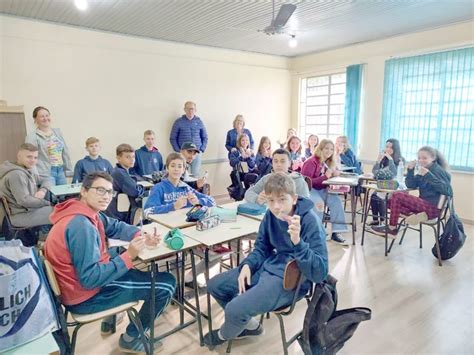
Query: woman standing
(231,140)
(53,154)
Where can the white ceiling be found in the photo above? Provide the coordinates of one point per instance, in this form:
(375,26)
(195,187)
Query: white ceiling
(318,25)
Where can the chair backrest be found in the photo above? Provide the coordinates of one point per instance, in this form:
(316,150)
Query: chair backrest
(123,202)
(7,210)
(292,276)
(53,282)
(308,182)
(443,202)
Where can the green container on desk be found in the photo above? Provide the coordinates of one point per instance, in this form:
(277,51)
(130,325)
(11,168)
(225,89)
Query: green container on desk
(174,239)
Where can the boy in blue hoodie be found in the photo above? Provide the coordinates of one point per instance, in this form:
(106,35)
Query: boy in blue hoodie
(148,159)
(290,230)
(171,193)
(92,162)
(125,182)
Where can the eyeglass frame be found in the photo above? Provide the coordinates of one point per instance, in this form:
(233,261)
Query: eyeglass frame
(110,192)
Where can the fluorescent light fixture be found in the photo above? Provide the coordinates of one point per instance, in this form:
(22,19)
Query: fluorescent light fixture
(292,43)
(81,4)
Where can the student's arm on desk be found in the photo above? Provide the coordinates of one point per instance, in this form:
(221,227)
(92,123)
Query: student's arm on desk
(18,188)
(252,193)
(116,229)
(311,252)
(83,240)
(261,251)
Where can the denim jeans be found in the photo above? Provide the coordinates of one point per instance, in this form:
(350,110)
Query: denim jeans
(58,175)
(133,286)
(196,164)
(335,206)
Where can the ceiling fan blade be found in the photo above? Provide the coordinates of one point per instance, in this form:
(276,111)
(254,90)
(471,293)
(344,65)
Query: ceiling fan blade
(286,10)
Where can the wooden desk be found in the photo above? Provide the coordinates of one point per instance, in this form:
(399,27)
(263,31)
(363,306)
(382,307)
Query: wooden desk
(224,232)
(174,219)
(145,184)
(65,190)
(161,251)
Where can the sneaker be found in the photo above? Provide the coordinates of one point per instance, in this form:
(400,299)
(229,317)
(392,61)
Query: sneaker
(416,218)
(246,333)
(212,339)
(380,230)
(136,346)
(337,238)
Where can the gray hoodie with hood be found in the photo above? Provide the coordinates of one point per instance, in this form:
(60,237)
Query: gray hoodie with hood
(19,185)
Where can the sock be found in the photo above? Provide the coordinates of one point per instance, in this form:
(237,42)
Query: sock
(220,335)
(252,324)
(128,338)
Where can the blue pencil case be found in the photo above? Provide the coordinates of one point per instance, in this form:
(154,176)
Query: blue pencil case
(252,209)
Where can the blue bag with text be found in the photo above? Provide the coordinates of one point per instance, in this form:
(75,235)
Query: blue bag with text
(26,307)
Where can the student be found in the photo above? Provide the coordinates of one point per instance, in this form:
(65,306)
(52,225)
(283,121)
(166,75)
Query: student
(148,159)
(92,162)
(53,154)
(243,153)
(263,159)
(171,193)
(25,190)
(320,167)
(432,181)
(189,152)
(190,128)
(311,145)
(281,164)
(385,168)
(290,230)
(294,147)
(125,183)
(90,278)
(290,133)
(346,155)
(233,134)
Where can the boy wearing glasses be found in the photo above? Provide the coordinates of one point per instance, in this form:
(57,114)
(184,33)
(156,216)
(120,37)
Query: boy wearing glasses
(90,278)
(125,183)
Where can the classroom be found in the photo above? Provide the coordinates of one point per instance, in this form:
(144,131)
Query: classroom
(176,176)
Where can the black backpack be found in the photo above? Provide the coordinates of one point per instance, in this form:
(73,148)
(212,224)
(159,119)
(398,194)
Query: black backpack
(453,237)
(326,329)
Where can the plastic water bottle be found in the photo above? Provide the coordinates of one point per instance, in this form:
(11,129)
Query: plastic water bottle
(400,172)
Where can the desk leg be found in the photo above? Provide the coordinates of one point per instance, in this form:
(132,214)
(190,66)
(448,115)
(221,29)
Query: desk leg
(386,224)
(353,214)
(209,311)
(153,273)
(196,298)
(365,212)
(180,284)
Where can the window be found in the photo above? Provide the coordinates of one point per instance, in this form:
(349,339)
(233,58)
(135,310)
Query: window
(429,100)
(322,106)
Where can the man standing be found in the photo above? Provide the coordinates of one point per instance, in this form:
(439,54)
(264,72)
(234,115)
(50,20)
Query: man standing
(25,190)
(189,128)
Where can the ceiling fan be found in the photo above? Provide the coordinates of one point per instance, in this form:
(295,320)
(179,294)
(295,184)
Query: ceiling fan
(277,26)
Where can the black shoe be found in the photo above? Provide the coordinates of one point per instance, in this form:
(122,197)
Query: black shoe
(108,326)
(246,333)
(380,230)
(212,339)
(374,223)
(189,284)
(336,238)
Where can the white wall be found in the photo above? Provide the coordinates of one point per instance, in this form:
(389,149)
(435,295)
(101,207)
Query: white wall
(373,55)
(114,87)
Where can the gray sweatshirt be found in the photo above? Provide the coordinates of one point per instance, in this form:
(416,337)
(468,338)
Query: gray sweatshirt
(19,185)
(301,187)
(44,167)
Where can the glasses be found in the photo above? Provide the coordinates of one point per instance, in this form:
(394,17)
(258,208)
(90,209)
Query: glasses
(101,191)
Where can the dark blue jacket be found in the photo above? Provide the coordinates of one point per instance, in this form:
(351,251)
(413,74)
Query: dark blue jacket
(235,158)
(147,162)
(349,159)
(231,139)
(264,165)
(433,184)
(88,165)
(185,130)
(127,184)
(274,249)
(164,195)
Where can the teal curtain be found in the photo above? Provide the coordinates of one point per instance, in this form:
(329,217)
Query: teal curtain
(352,103)
(429,100)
